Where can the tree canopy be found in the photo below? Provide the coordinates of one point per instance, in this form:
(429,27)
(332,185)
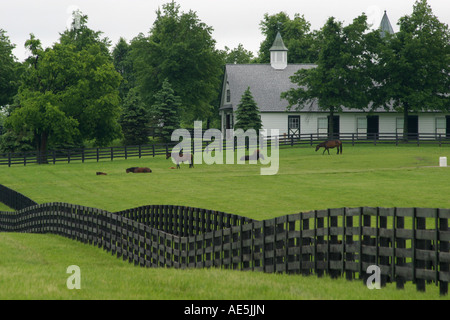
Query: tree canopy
(9,70)
(297,36)
(340,78)
(179,48)
(69,93)
(413,65)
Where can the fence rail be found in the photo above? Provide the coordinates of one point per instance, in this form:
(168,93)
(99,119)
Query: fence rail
(407,244)
(139,151)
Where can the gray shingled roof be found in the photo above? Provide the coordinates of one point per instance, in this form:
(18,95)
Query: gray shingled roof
(266,84)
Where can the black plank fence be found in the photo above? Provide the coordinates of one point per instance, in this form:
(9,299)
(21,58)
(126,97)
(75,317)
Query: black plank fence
(407,244)
(152,150)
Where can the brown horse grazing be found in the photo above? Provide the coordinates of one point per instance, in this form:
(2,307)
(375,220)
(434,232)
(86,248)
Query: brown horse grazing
(138,170)
(255,156)
(330,144)
(182,158)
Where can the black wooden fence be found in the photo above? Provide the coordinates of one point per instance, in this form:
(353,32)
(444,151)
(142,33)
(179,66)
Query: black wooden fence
(139,151)
(14,199)
(407,244)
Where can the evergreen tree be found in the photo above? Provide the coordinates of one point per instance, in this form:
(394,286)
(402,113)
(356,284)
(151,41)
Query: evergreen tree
(124,65)
(247,113)
(166,111)
(134,120)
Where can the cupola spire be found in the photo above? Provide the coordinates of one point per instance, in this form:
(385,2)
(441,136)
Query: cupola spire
(385,25)
(278,53)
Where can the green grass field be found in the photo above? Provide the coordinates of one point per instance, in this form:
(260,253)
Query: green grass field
(34,266)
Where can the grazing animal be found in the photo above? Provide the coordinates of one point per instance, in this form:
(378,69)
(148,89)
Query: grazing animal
(182,158)
(101,174)
(330,144)
(138,170)
(255,156)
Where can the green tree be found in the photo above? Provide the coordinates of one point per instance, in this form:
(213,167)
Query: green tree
(9,70)
(247,113)
(81,36)
(413,66)
(166,110)
(340,78)
(134,120)
(124,65)
(179,48)
(297,37)
(68,94)
(238,55)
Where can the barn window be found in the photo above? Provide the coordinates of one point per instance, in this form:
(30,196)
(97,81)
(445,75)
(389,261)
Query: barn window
(399,126)
(362,123)
(322,125)
(441,125)
(361,127)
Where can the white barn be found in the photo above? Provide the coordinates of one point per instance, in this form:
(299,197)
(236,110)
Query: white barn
(268,81)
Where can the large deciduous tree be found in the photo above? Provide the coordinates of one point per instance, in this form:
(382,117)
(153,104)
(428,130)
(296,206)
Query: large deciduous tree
(69,93)
(179,48)
(413,66)
(340,78)
(297,36)
(9,70)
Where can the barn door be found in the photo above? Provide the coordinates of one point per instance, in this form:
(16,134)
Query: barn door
(336,129)
(294,127)
(372,127)
(413,127)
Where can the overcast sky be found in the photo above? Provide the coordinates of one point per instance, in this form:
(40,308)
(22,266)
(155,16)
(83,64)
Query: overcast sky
(233,21)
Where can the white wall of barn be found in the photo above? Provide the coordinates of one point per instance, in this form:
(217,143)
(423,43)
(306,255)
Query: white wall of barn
(348,122)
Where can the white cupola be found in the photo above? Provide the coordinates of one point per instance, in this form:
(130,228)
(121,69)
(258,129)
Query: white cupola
(278,53)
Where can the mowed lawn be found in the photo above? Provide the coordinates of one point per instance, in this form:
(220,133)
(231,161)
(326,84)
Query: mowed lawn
(34,266)
(385,176)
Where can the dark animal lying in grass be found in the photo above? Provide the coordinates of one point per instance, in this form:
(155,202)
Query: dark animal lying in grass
(255,156)
(101,174)
(138,170)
